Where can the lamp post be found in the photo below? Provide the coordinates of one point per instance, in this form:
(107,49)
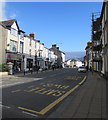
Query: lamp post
(36,59)
(23,64)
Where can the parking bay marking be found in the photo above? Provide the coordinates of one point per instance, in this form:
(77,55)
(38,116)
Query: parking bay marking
(50,106)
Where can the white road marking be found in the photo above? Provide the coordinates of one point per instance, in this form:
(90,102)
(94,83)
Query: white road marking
(30,114)
(17,83)
(5,106)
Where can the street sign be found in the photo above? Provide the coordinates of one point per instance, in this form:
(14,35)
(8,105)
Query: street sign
(89,44)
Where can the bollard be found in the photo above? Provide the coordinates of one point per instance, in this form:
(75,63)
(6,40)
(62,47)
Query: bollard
(31,71)
(24,72)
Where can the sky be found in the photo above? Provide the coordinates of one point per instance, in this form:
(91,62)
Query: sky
(67,24)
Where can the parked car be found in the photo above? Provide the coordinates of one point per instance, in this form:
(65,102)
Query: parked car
(82,69)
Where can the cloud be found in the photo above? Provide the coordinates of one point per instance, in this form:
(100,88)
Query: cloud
(2,10)
(13,16)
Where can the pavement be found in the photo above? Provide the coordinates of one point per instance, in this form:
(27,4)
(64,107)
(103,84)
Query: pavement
(19,78)
(88,102)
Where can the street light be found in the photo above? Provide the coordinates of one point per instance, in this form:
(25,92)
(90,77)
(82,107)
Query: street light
(23,64)
(36,59)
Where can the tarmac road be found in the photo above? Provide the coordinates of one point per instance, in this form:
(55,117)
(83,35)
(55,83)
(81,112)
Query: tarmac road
(39,98)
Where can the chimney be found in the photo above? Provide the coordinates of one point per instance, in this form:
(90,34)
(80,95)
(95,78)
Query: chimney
(54,45)
(42,43)
(38,41)
(57,48)
(32,35)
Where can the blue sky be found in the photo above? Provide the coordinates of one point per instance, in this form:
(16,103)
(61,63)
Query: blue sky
(66,23)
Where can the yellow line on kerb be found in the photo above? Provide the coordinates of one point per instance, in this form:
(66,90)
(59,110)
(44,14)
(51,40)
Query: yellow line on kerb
(28,110)
(57,101)
(46,109)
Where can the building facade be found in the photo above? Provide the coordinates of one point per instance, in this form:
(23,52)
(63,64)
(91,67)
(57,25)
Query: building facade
(99,47)
(104,37)
(75,63)
(60,55)
(24,51)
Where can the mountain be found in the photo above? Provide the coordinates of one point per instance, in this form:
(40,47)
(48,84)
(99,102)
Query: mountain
(75,55)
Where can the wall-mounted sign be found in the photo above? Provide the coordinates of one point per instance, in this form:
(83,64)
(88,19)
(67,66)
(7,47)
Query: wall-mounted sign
(11,56)
(39,59)
(89,44)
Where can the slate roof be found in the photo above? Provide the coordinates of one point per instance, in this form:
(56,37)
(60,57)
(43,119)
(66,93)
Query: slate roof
(9,23)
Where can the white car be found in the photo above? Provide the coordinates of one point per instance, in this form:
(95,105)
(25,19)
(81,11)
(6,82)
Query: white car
(82,69)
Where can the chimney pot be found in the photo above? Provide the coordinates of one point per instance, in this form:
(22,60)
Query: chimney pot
(54,45)
(38,41)
(32,35)
(57,48)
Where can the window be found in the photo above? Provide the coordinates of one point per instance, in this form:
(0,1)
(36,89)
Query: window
(39,54)
(21,36)
(35,44)
(13,46)
(21,47)
(35,52)
(30,52)
(14,32)
(30,41)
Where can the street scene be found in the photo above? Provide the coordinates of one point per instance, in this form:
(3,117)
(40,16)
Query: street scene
(48,67)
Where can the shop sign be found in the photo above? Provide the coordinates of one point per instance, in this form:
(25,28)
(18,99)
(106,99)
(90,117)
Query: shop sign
(89,44)
(47,58)
(13,57)
(39,59)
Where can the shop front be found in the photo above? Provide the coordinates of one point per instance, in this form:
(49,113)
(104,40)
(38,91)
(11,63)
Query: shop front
(16,59)
(40,62)
(29,63)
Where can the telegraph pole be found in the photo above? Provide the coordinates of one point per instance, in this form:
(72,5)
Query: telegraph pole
(92,42)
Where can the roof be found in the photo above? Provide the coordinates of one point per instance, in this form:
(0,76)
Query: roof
(9,23)
(68,60)
(103,7)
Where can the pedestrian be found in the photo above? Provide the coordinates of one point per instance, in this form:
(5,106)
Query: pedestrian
(90,68)
(87,68)
(36,68)
(53,67)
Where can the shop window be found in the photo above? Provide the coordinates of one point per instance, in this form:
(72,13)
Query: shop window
(13,46)
(14,32)
(29,63)
(21,47)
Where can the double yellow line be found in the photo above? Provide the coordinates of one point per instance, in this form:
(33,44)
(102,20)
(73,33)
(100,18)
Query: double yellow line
(50,106)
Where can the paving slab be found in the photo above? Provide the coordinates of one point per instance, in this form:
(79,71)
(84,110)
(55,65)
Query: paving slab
(89,101)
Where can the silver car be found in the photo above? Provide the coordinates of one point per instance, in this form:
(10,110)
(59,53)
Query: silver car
(82,69)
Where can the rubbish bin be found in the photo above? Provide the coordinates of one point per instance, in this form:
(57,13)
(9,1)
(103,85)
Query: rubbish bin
(10,68)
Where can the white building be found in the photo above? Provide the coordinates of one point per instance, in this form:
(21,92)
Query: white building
(76,63)
(63,59)
(104,37)
(12,40)
(29,52)
(67,63)
(24,51)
